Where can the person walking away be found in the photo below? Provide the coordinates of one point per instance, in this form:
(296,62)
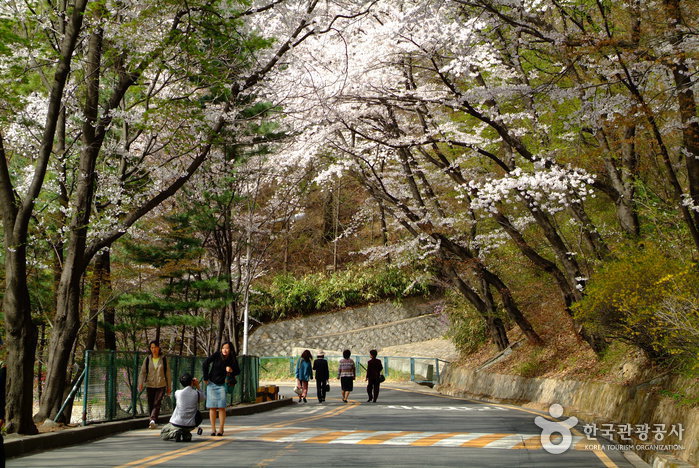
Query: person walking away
(346,373)
(216,367)
(186,415)
(320,366)
(373,374)
(155,375)
(304,373)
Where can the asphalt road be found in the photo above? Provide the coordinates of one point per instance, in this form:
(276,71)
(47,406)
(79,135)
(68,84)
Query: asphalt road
(407,427)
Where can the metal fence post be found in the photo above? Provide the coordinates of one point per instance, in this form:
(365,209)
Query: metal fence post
(291,366)
(87,380)
(110,404)
(385,366)
(134,386)
(174,375)
(412,369)
(436,366)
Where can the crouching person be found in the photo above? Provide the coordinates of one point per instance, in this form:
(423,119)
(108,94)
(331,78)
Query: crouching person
(186,415)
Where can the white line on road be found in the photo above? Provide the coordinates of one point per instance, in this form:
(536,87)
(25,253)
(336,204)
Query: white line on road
(457,440)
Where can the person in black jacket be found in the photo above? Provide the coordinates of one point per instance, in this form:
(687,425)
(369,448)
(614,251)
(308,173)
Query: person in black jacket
(320,366)
(216,367)
(373,375)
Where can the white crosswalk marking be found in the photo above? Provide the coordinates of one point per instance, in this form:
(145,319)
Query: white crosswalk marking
(410,438)
(302,436)
(457,440)
(506,442)
(352,438)
(386,438)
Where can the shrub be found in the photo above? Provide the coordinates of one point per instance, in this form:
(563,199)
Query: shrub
(646,298)
(466,327)
(290,296)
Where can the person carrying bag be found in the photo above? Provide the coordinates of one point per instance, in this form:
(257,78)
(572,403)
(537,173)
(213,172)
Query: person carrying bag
(320,366)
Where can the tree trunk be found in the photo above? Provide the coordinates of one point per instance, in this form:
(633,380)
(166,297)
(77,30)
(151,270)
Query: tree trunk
(687,105)
(67,320)
(484,307)
(98,276)
(21,336)
(109,313)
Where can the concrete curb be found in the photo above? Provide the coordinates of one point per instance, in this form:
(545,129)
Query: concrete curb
(16,446)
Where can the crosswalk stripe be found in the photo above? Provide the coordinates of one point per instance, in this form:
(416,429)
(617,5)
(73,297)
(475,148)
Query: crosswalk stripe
(506,442)
(413,438)
(382,436)
(483,440)
(327,437)
(280,434)
(351,438)
(410,438)
(302,437)
(433,439)
(529,443)
(457,440)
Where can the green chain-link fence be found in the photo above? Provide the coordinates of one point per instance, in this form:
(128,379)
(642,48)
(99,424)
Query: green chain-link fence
(413,369)
(110,389)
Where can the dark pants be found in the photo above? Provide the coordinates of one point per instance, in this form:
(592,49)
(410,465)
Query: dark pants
(320,386)
(155,398)
(2,452)
(373,389)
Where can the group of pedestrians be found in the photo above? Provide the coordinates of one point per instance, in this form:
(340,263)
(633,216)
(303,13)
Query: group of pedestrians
(346,373)
(219,371)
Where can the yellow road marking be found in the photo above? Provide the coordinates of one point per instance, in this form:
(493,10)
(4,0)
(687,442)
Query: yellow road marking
(272,436)
(200,448)
(216,442)
(153,457)
(327,414)
(483,440)
(379,438)
(603,457)
(328,437)
(532,443)
(430,440)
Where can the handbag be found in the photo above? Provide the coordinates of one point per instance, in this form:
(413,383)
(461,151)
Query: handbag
(298,390)
(382,378)
(230,382)
(326,387)
(198,417)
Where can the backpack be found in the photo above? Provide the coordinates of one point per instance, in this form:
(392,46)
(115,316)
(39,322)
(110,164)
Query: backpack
(148,367)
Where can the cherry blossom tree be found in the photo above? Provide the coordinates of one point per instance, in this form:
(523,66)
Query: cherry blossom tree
(149,92)
(529,108)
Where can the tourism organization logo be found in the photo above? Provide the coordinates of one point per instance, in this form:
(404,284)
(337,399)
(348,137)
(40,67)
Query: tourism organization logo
(557,438)
(550,428)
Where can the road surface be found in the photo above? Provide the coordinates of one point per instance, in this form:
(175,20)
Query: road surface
(407,427)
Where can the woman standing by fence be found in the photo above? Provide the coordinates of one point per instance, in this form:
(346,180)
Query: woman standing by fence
(216,367)
(155,375)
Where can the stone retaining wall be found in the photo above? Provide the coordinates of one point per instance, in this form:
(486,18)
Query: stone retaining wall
(361,329)
(591,402)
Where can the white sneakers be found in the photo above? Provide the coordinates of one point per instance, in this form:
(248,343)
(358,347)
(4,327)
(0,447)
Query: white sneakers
(152,424)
